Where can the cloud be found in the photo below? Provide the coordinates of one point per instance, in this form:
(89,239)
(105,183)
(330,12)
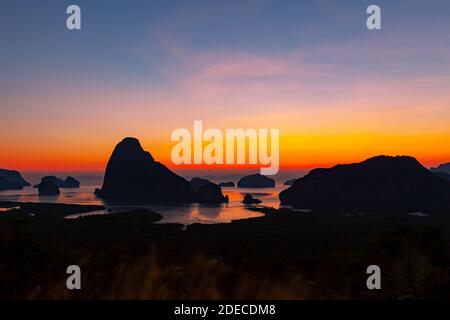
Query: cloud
(233,73)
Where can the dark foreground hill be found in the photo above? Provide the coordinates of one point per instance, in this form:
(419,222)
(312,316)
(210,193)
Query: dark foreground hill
(283,255)
(377,183)
(133,175)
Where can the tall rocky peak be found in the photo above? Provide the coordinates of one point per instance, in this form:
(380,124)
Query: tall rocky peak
(133,175)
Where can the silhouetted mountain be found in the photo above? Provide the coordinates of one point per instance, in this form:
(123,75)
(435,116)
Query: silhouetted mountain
(378,183)
(211,193)
(445,167)
(228,184)
(197,182)
(443,175)
(248,199)
(289,182)
(70,182)
(6,185)
(207,191)
(11,180)
(256,181)
(48,188)
(133,175)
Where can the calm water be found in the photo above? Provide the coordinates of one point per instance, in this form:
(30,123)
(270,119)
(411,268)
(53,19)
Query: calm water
(186,214)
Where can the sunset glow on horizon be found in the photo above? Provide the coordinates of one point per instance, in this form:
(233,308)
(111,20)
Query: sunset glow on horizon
(337,92)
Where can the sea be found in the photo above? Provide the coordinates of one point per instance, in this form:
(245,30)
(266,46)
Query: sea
(183,214)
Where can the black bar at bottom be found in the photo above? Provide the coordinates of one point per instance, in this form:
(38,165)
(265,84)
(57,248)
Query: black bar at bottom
(129,310)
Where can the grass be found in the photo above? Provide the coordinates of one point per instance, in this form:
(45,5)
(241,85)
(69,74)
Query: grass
(284,255)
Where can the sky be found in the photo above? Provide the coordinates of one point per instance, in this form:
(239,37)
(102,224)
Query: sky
(338,92)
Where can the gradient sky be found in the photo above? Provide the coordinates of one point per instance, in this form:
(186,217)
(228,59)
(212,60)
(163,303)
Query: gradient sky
(338,92)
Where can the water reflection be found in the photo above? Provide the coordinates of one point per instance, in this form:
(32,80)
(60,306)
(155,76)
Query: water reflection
(51,199)
(210,212)
(184,214)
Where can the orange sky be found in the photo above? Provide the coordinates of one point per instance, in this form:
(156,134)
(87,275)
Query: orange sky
(297,151)
(82,135)
(321,132)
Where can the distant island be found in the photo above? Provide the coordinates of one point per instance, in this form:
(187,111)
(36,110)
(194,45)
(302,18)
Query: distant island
(207,192)
(377,183)
(48,188)
(445,168)
(12,180)
(248,199)
(69,182)
(256,181)
(228,184)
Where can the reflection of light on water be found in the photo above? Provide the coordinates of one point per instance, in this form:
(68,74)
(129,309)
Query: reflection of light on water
(217,214)
(83,195)
(7,209)
(86,214)
(184,214)
(418,214)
